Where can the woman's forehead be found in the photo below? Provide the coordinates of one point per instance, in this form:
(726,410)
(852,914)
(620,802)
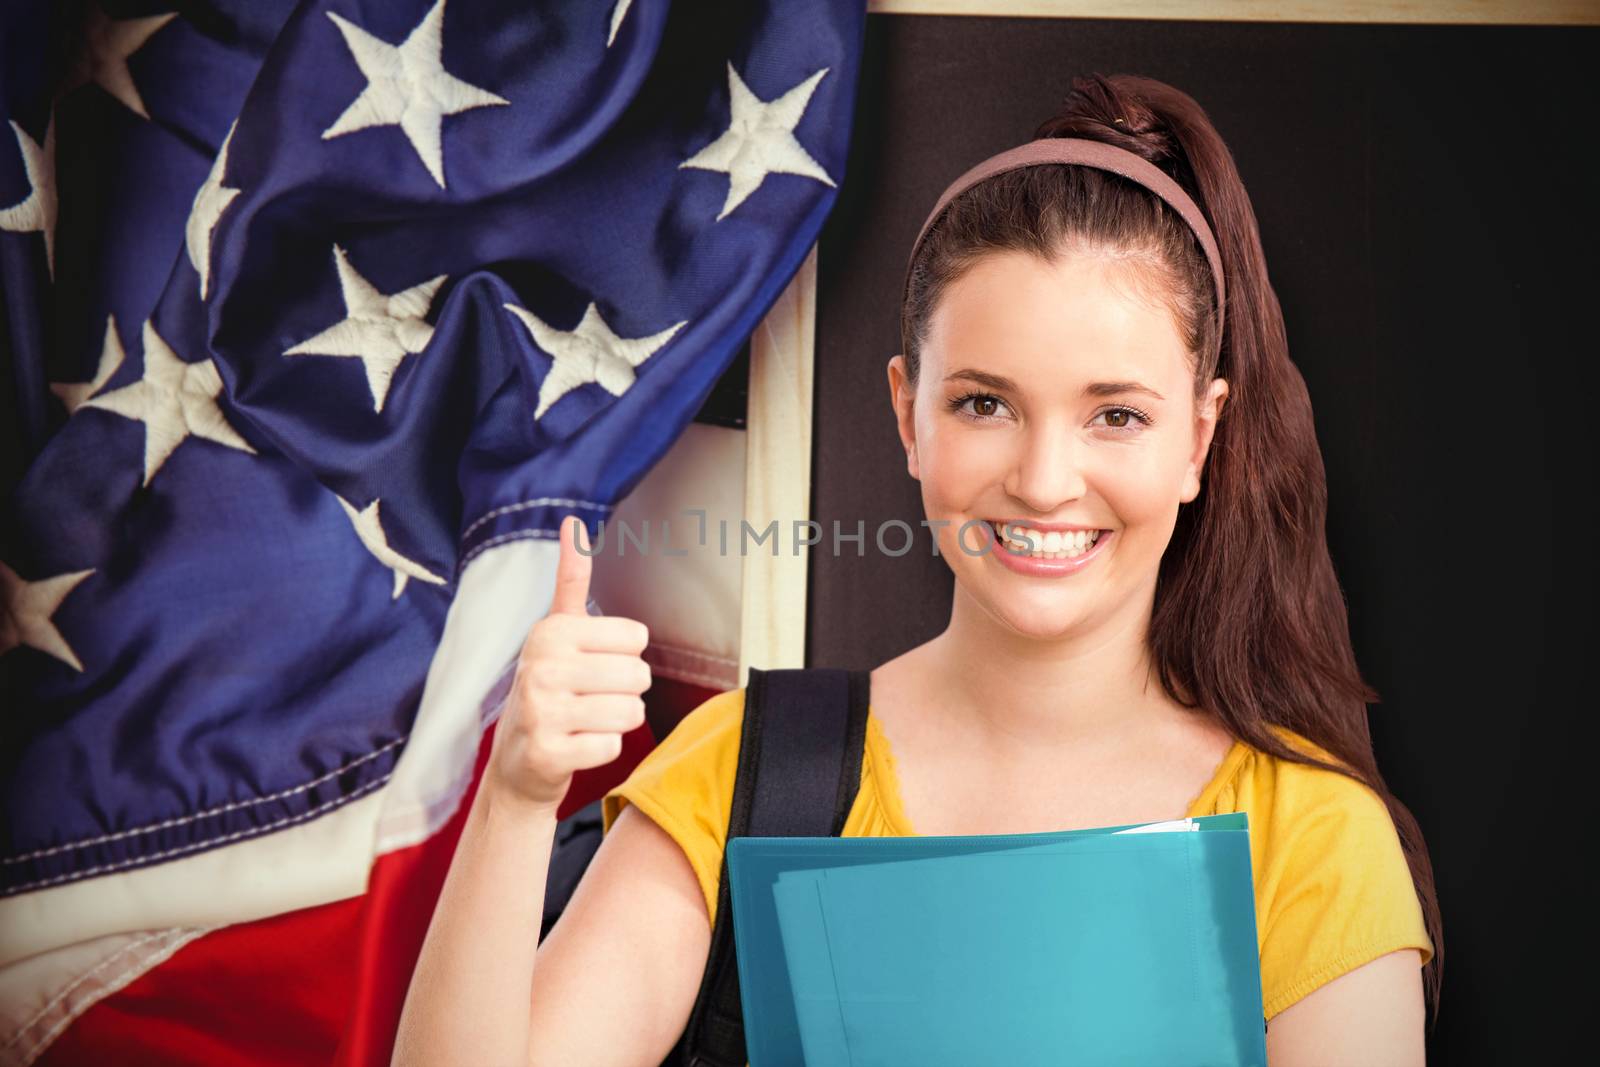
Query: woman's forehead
(1078,316)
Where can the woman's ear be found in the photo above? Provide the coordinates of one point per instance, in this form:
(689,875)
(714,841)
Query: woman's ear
(902,393)
(1205,428)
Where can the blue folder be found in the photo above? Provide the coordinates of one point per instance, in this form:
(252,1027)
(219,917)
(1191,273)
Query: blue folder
(1079,947)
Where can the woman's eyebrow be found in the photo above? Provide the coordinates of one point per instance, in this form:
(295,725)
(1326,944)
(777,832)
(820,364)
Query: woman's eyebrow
(1001,383)
(984,378)
(1113,388)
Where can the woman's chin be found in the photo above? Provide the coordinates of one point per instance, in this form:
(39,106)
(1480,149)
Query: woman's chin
(1058,632)
(1051,623)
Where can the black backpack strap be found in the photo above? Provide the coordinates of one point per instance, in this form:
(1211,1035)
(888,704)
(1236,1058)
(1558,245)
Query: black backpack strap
(799,770)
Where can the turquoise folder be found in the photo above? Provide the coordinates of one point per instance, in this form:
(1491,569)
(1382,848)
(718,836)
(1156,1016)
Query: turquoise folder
(1078,947)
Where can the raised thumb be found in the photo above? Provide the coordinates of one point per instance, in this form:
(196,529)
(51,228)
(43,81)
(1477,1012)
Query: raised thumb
(573,570)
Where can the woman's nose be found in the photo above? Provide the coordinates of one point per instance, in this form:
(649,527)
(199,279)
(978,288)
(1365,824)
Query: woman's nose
(1047,470)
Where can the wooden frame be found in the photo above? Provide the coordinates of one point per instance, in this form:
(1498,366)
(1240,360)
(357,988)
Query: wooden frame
(777,487)
(1470,12)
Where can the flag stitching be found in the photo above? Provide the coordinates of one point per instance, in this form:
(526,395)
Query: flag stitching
(555,501)
(122,978)
(78,981)
(220,809)
(199,845)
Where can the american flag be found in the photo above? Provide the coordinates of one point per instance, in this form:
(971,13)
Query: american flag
(319,317)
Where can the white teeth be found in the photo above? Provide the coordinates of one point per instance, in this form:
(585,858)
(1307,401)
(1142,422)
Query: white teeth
(1051,545)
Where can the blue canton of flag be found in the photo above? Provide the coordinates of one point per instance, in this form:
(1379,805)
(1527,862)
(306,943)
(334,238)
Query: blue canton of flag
(343,296)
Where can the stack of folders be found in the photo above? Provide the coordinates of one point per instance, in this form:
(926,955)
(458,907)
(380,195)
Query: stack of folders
(1118,945)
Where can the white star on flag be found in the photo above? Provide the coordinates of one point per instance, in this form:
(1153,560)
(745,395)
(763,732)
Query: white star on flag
(108,44)
(27,610)
(759,140)
(73,394)
(618,13)
(407,86)
(589,353)
(370,529)
(209,204)
(378,329)
(37,210)
(175,400)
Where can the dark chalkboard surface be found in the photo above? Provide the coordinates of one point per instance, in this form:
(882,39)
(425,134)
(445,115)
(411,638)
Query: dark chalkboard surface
(1426,199)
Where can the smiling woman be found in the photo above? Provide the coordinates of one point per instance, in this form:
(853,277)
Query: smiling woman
(1117,457)
(1079,312)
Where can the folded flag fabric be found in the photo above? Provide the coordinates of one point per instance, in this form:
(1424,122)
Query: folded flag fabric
(320,317)
(1085,947)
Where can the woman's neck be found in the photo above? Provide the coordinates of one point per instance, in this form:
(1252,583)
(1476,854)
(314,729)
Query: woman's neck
(1013,694)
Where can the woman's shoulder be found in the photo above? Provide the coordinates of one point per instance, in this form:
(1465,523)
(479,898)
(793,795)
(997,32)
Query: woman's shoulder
(1291,790)
(694,758)
(1333,887)
(685,785)
(1304,818)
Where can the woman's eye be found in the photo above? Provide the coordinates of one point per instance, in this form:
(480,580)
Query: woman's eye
(1125,418)
(983,406)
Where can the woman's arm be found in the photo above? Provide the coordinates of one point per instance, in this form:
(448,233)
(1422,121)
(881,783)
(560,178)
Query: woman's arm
(618,974)
(468,1001)
(612,985)
(1370,1017)
(628,947)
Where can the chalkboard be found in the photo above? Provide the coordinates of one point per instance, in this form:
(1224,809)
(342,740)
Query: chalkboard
(1426,201)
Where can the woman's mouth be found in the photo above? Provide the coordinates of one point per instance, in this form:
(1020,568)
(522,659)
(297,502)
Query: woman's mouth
(1038,544)
(1046,553)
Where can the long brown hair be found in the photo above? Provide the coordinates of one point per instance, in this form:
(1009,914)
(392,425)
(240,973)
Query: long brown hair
(1249,620)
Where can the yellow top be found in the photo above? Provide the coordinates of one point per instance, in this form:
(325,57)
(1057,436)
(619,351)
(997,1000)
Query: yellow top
(1332,887)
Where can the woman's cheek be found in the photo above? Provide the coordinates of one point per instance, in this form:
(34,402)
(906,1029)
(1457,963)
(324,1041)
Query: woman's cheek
(975,462)
(1135,483)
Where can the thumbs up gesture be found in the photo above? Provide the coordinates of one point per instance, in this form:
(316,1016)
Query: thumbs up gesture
(576,692)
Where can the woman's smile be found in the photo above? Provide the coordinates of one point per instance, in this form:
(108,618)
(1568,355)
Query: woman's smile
(1045,553)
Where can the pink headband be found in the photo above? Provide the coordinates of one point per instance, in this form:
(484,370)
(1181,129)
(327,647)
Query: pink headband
(1088,153)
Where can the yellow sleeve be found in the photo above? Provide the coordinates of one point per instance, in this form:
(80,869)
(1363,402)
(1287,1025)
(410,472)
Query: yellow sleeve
(685,786)
(1339,893)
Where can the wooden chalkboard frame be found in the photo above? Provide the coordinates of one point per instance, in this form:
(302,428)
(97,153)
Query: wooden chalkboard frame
(778,446)
(1462,12)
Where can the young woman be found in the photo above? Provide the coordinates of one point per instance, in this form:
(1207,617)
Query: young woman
(1096,398)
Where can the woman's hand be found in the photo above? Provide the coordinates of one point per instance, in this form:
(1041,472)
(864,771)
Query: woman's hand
(576,692)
